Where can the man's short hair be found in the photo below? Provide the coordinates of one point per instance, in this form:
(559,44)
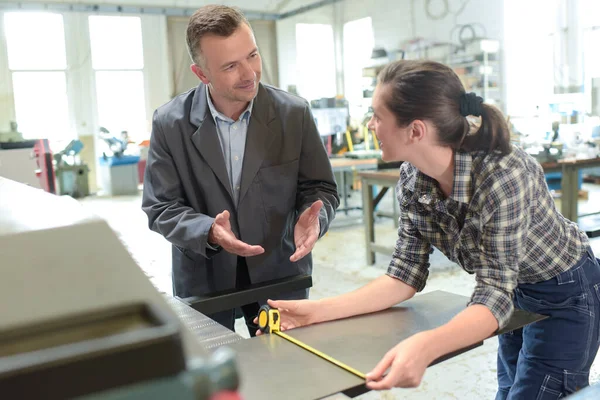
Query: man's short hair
(211,20)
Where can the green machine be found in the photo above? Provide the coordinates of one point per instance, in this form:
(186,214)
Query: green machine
(71,173)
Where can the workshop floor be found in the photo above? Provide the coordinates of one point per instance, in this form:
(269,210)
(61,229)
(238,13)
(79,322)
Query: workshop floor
(339,267)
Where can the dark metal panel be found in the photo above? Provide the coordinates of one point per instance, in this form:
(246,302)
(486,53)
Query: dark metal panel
(229,299)
(359,341)
(362,341)
(273,368)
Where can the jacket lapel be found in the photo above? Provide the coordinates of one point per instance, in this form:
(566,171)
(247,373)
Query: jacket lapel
(258,138)
(206,139)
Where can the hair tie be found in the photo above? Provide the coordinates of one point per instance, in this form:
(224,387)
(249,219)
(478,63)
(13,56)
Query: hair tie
(471,104)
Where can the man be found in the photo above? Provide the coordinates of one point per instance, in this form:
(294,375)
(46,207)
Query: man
(237,178)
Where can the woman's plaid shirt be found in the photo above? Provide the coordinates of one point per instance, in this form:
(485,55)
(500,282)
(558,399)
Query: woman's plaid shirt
(500,223)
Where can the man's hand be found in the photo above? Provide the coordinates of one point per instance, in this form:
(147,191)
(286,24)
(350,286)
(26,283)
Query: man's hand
(220,234)
(294,313)
(306,231)
(407,362)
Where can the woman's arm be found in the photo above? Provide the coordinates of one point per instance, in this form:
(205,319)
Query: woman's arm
(382,293)
(468,327)
(379,294)
(408,360)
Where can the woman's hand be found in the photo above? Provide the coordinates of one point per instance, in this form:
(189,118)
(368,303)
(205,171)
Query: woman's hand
(407,362)
(294,313)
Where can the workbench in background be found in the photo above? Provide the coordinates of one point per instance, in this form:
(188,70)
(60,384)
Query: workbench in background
(388,178)
(343,168)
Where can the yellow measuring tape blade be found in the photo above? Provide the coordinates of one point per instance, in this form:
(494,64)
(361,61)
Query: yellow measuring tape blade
(322,355)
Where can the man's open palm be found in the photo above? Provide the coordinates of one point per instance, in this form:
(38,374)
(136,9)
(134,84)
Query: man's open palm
(221,234)
(306,231)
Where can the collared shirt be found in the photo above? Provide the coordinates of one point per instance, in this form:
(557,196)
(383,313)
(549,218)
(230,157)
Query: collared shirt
(500,223)
(232,136)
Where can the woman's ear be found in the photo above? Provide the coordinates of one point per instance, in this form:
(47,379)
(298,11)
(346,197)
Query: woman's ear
(417,130)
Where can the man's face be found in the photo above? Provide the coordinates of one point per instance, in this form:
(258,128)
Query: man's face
(231,66)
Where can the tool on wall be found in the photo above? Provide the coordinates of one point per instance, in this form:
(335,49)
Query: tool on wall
(269,321)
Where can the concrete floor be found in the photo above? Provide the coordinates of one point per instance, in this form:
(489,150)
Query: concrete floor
(339,267)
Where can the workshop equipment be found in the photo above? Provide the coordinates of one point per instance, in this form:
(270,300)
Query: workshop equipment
(18,161)
(269,320)
(82,319)
(109,354)
(13,135)
(71,172)
(118,171)
(45,171)
(116,146)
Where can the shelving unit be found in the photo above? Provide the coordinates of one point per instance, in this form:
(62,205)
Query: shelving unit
(479,68)
(478,65)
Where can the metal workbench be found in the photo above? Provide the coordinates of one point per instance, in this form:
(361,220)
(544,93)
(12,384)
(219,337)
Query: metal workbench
(359,341)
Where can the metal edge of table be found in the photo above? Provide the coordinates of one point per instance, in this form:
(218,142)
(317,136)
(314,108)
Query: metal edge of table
(230,299)
(209,333)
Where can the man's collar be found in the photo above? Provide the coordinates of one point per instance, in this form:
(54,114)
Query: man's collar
(216,114)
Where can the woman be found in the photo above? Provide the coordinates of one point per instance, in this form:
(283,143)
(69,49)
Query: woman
(465,190)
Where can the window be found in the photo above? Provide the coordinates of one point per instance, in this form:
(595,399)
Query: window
(316,61)
(530,66)
(118,63)
(358,45)
(38,66)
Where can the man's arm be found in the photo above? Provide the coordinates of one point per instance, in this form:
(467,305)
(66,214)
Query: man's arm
(315,175)
(164,203)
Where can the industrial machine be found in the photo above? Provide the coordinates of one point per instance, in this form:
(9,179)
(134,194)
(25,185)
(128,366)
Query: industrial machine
(116,146)
(118,172)
(80,318)
(13,135)
(71,172)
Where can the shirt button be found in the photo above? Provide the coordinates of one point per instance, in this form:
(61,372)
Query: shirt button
(236,158)
(237,188)
(234,126)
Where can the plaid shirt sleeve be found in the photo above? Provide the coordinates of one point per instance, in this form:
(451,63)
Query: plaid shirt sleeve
(504,222)
(410,262)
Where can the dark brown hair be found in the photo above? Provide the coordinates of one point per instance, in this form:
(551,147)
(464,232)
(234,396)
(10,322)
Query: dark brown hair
(211,19)
(427,90)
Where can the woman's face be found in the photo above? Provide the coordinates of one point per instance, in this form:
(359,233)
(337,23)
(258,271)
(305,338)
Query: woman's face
(394,141)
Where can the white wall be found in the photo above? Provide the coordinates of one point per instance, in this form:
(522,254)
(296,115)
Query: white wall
(394,21)
(157,64)
(7,109)
(286,41)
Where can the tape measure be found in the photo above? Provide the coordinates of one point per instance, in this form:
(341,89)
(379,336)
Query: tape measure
(269,321)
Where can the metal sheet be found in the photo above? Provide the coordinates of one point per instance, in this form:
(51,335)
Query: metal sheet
(362,341)
(273,368)
(210,333)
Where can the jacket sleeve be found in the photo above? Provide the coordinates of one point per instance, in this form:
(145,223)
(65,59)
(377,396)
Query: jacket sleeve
(315,176)
(164,203)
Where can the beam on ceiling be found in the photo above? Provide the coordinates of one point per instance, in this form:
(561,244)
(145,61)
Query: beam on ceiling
(306,8)
(116,9)
(129,9)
